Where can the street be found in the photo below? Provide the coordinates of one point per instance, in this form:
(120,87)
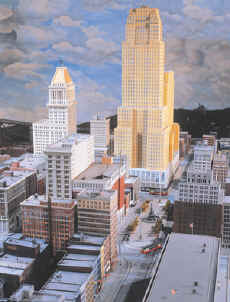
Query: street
(132,266)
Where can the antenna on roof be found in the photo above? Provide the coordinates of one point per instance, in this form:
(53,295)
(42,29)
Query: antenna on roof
(61,62)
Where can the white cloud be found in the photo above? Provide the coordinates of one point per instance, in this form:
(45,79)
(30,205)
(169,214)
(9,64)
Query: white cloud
(11,55)
(42,8)
(31,84)
(92,32)
(35,35)
(102,47)
(67,21)
(66,46)
(5,13)
(100,5)
(21,71)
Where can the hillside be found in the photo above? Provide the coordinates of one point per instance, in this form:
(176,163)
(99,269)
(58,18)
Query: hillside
(197,121)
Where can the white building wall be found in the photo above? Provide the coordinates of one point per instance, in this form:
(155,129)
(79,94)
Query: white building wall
(100,129)
(61,120)
(66,160)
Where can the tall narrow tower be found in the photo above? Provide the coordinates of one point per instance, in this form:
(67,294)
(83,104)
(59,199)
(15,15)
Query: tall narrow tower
(146,134)
(61,110)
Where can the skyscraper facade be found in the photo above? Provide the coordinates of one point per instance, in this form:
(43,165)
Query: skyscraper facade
(146,133)
(62,112)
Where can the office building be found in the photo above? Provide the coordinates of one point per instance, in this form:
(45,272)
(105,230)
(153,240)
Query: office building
(185,143)
(193,263)
(100,177)
(198,205)
(198,218)
(203,157)
(224,143)
(97,215)
(226,223)
(61,120)
(66,160)
(100,129)
(12,193)
(132,185)
(210,140)
(146,133)
(37,164)
(199,187)
(220,167)
(38,219)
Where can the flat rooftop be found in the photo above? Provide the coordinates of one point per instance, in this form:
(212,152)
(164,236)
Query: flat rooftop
(7,181)
(68,142)
(80,257)
(87,238)
(104,195)
(83,247)
(20,240)
(40,200)
(72,263)
(98,172)
(68,296)
(14,266)
(131,180)
(66,283)
(182,264)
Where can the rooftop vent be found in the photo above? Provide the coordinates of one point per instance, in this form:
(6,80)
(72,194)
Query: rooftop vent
(203,250)
(194,291)
(196,283)
(204,245)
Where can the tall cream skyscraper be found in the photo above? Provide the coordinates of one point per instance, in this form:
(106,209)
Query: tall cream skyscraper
(146,133)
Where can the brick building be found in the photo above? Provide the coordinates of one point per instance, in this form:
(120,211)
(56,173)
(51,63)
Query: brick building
(99,177)
(97,215)
(220,167)
(36,217)
(205,217)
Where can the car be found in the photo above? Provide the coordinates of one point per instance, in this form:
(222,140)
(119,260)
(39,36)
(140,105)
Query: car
(132,203)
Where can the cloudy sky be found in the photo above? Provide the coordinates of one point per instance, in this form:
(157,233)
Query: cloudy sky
(87,34)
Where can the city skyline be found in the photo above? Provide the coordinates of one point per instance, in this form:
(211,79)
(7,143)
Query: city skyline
(87,36)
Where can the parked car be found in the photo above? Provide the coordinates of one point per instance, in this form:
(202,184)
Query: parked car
(132,203)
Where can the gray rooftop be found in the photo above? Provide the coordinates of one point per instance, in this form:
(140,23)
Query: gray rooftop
(20,240)
(87,238)
(80,257)
(84,247)
(105,195)
(67,143)
(182,264)
(96,170)
(222,292)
